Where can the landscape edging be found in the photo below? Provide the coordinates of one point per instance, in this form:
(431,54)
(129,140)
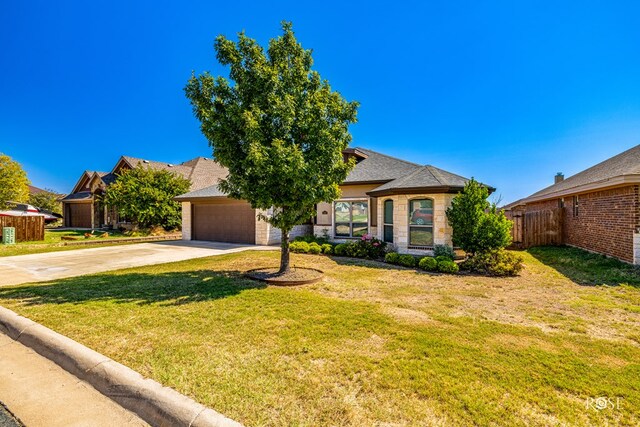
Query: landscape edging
(154,403)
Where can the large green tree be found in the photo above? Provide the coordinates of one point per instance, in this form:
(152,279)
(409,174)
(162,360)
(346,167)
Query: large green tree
(47,200)
(478,226)
(277,126)
(145,196)
(14,185)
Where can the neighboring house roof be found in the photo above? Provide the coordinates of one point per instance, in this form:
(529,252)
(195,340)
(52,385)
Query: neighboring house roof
(35,190)
(201,171)
(621,169)
(75,197)
(512,205)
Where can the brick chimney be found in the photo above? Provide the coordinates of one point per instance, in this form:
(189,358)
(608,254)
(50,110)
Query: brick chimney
(558,178)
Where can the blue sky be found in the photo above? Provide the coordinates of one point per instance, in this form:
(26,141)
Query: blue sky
(508,92)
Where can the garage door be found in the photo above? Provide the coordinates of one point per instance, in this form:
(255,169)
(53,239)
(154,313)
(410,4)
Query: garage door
(232,222)
(79,215)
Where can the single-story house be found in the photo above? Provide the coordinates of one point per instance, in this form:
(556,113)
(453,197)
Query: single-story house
(601,206)
(398,201)
(83,209)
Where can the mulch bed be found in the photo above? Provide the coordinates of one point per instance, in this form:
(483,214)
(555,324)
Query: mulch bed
(295,276)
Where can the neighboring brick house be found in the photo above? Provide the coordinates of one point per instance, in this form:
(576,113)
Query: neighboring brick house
(395,200)
(83,209)
(601,206)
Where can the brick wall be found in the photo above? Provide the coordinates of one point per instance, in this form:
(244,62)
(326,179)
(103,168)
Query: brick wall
(606,221)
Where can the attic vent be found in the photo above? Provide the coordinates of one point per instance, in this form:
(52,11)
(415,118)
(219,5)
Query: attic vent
(145,161)
(170,165)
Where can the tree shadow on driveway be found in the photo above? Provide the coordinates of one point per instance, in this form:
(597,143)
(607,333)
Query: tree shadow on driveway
(172,288)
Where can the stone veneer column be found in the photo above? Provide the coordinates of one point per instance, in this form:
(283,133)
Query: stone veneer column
(186,220)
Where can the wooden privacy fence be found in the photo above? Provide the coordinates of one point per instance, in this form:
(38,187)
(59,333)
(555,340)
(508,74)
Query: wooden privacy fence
(536,228)
(28,228)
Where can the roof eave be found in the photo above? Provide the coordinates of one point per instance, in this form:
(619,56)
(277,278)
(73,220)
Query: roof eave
(616,181)
(414,190)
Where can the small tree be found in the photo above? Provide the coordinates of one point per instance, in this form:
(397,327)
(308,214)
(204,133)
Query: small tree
(279,129)
(47,200)
(146,196)
(478,225)
(14,185)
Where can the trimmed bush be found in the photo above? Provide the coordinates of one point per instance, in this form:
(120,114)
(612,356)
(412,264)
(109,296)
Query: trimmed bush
(340,249)
(428,263)
(444,250)
(443,258)
(299,247)
(448,267)
(392,257)
(314,248)
(310,238)
(327,249)
(495,263)
(407,260)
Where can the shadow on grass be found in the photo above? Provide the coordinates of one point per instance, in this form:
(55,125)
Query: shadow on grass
(586,268)
(173,288)
(369,263)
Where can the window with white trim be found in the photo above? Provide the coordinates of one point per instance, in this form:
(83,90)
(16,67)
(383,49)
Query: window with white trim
(351,218)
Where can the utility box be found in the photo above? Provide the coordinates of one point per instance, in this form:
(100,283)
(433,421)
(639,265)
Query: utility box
(9,235)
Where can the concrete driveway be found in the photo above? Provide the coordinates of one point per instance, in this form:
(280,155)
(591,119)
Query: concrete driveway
(19,269)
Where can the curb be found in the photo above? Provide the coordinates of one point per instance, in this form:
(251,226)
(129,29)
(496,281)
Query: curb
(154,403)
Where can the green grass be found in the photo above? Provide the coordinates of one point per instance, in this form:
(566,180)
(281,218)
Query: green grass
(53,242)
(587,268)
(369,345)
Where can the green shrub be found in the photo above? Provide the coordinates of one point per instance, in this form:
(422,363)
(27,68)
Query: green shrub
(340,249)
(428,263)
(310,238)
(407,260)
(495,263)
(366,247)
(447,266)
(392,258)
(444,250)
(443,258)
(478,225)
(299,247)
(327,249)
(314,248)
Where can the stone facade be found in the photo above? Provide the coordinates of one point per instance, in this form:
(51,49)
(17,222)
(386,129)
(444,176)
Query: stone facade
(607,221)
(186,220)
(442,231)
(266,234)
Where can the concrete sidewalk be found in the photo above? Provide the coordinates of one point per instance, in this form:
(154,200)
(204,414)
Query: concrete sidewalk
(40,393)
(15,270)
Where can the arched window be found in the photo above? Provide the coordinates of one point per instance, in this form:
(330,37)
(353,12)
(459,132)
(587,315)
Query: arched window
(421,222)
(388,221)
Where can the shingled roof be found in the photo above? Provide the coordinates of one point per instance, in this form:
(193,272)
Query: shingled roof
(378,167)
(620,169)
(425,177)
(201,171)
(395,175)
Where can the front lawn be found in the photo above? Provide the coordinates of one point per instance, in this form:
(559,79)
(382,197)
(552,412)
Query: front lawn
(369,345)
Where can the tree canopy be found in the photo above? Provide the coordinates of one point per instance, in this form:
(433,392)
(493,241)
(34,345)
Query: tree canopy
(145,196)
(47,200)
(478,226)
(14,185)
(277,126)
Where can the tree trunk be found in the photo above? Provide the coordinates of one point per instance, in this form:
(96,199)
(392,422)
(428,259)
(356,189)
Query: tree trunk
(284,253)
